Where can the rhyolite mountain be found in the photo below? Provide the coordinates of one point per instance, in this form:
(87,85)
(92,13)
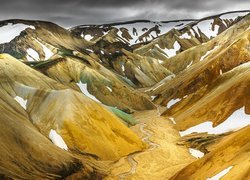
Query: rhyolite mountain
(127,100)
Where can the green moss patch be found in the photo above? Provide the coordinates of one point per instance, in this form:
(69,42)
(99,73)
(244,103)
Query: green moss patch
(124,116)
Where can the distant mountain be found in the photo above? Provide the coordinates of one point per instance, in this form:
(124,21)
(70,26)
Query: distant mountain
(193,34)
(144,31)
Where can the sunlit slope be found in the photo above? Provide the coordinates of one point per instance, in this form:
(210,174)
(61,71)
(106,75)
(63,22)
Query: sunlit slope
(232,152)
(82,123)
(208,62)
(96,82)
(28,154)
(215,102)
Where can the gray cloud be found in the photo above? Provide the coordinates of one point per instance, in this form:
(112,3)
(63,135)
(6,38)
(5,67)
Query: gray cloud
(74,12)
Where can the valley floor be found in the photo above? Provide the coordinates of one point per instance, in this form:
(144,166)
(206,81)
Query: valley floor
(163,157)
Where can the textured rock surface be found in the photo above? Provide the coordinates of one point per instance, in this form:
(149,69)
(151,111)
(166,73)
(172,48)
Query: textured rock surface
(78,119)
(232,151)
(133,100)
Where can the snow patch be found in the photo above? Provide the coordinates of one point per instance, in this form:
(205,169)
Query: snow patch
(221,174)
(236,121)
(192,32)
(171,52)
(173,102)
(185,36)
(32,55)
(152,97)
(123,68)
(206,28)
(10,31)
(57,139)
(140,26)
(160,61)
(109,89)
(90,50)
(189,64)
(88,37)
(196,153)
(85,91)
(208,52)
(172,119)
(162,82)
(48,53)
(195,29)
(156,87)
(233,15)
(21,101)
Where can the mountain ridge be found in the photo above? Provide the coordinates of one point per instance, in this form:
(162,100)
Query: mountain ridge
(128,101)
(175,20)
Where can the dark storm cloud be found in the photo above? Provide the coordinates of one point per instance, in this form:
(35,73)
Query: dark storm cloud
(74,12)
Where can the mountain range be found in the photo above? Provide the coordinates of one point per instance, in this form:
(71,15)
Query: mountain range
(127,100)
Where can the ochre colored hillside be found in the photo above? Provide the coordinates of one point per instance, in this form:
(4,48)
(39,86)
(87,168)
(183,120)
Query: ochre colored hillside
(127,100)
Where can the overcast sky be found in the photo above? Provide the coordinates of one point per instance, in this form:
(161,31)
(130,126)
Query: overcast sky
(75,12)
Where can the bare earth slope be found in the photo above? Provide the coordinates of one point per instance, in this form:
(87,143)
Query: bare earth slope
(133,100)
